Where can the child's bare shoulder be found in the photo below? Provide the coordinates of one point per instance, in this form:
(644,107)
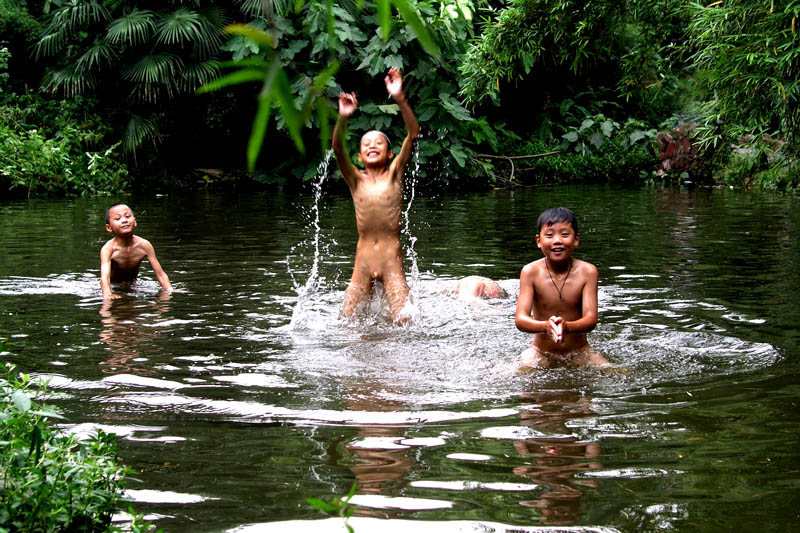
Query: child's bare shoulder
(533,266)
(584,268)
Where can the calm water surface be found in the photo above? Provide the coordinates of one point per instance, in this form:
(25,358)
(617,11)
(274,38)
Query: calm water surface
(242,395)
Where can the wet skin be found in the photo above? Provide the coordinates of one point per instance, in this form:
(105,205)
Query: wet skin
(377,193)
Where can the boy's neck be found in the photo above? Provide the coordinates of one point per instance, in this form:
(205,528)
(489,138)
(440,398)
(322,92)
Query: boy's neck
(376,171)
(124,240)
(560,266)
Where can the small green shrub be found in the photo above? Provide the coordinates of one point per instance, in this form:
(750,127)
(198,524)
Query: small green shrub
(50,481)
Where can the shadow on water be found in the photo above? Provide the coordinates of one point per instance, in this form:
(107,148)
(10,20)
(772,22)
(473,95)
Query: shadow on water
(243,394)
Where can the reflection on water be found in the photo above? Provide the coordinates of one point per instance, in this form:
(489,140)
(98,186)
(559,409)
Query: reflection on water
(241,397)
(556,455)
(130,330)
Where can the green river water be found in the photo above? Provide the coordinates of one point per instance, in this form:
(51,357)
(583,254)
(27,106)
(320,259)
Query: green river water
(242,394)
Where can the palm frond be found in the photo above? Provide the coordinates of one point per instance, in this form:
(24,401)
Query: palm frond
(70,80)
(153,68)
(265,8)
(196,74)
(140,129)
(100,53)
(50,44)
(77,14)
(213,21)
(153,75)
(181,26)
(131,28)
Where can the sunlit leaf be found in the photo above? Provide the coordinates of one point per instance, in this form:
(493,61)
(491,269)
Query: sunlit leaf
(21,401)
(257,36)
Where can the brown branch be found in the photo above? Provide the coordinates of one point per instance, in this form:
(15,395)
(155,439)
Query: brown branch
(510,157)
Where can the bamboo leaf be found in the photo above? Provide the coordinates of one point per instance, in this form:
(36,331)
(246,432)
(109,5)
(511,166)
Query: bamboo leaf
(384,8)
(261,119)
(244,75)
(283,93)
(411,17)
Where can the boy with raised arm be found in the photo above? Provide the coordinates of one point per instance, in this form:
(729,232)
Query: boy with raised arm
(121,256)
(377,197)
(558,297)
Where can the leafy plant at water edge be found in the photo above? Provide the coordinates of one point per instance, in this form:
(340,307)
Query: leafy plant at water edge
(52,481)
(337,506)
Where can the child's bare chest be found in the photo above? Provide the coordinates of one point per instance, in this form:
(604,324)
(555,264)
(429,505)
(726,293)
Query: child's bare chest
(127,256)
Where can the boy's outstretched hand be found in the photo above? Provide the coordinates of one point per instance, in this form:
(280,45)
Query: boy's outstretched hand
(347,104)
(394,83)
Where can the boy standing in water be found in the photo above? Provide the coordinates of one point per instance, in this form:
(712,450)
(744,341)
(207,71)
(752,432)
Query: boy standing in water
(121,256)
(558,297)
(377,197)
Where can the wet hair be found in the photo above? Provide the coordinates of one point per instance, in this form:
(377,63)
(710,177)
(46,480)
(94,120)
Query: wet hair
(388,142)
(554,215)
(108,211)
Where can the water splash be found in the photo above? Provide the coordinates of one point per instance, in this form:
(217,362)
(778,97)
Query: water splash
(411,307)
(308,290)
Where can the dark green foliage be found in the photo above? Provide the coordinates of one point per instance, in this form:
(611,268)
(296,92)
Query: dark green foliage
(55,147)
(747,63)
(18,32)
(300,46)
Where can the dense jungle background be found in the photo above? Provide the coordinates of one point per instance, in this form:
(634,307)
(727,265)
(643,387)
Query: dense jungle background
(116,96)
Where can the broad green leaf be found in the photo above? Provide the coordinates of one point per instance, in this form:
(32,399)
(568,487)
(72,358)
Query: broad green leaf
(49,414)
(637,135)
(571,136)
(459,155)
(587,123)
(597,139)
(21,401)
(426,114)
(607,127)
(392,109)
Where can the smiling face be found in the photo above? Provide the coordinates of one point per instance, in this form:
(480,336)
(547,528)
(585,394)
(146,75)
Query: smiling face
(375,150)
(121,220)
(557,241)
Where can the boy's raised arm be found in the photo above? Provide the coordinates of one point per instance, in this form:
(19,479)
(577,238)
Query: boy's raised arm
(394,84)
(347,106)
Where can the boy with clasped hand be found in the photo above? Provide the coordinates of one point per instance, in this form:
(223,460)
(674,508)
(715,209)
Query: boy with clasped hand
(558,297)
(377,193)
(121,256)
